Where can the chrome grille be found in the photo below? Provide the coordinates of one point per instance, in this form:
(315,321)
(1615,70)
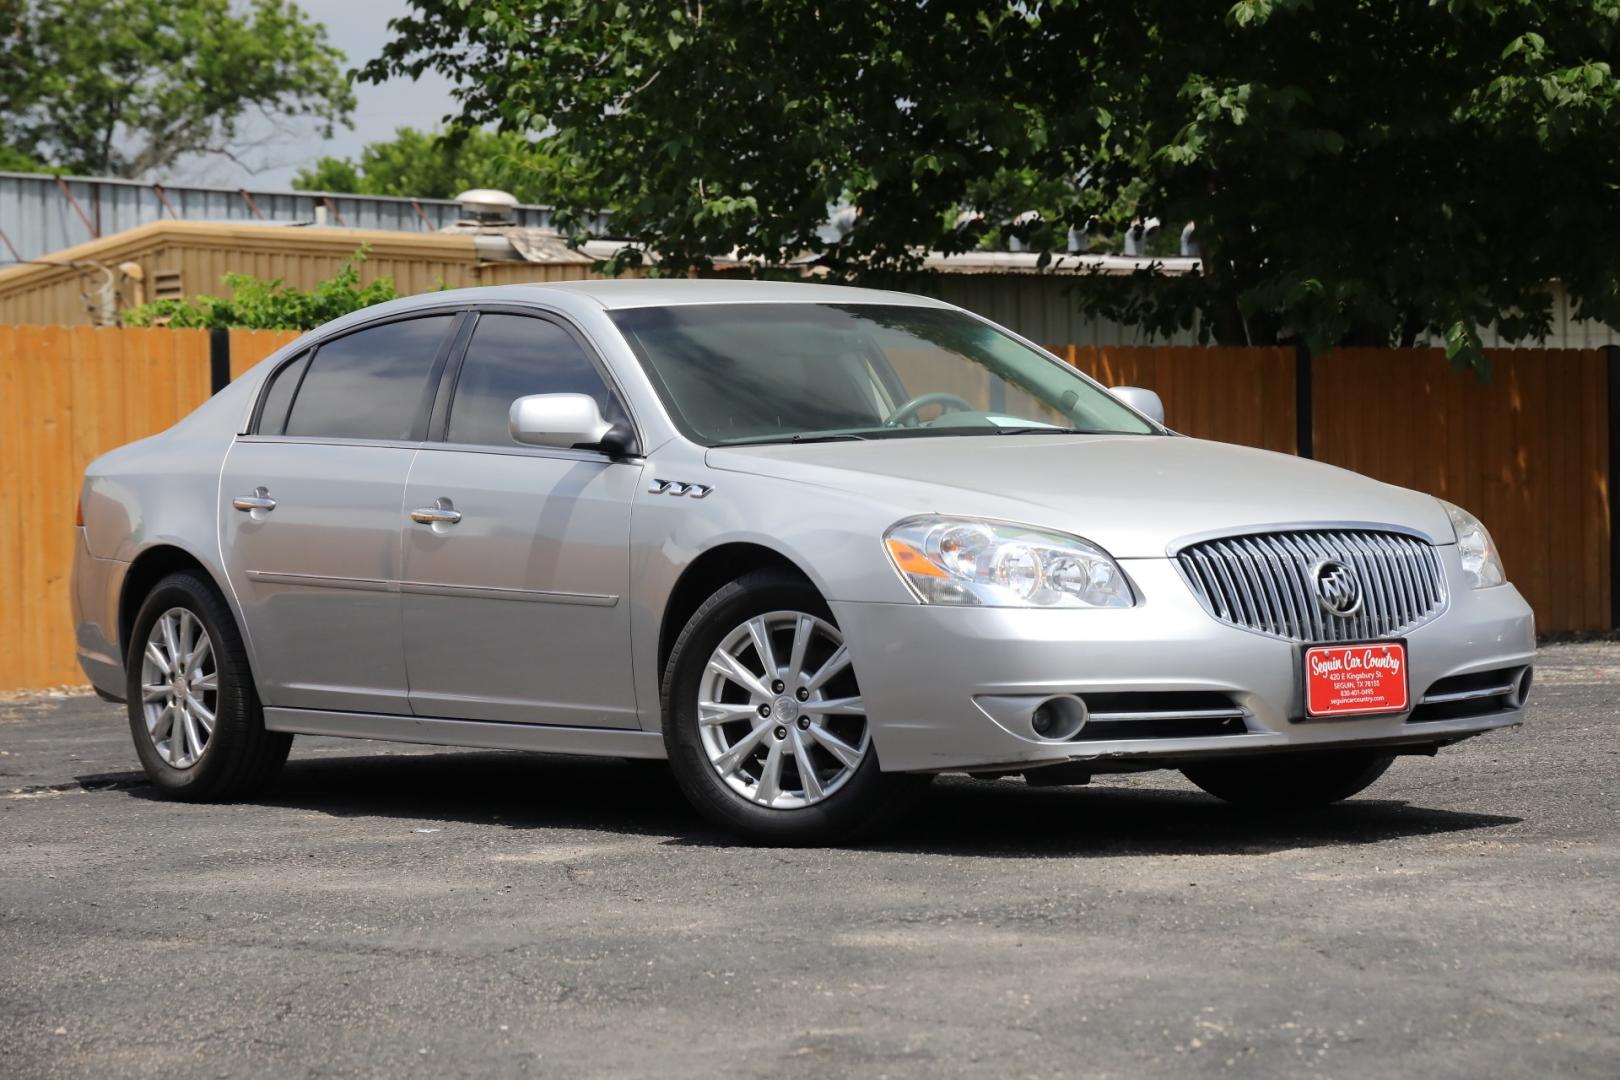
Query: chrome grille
(1265,582)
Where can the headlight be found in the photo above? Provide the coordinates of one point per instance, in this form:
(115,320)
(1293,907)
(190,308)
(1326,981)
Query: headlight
(1478,551)
(966,561)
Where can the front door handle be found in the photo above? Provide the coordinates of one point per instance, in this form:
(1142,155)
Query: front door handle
(440,513)
(259,500)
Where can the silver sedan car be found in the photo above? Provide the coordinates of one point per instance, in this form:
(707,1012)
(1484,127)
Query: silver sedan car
(813,545)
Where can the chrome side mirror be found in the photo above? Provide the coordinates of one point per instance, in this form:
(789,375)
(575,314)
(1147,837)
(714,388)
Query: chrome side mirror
(1143,401)
(562,420)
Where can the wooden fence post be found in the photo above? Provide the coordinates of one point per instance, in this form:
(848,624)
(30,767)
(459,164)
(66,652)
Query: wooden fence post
(1613,352)
(1304,421)
(219,359)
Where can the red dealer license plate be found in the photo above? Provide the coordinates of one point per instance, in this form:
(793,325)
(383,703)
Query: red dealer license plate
(1355,680)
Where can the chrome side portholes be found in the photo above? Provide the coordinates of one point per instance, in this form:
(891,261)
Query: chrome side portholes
(680,487)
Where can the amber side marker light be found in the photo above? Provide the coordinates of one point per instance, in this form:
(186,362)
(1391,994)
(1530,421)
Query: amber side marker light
(78,514)
(913,561)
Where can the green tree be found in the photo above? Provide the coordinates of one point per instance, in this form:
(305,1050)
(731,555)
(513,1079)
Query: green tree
(12,160)
(127,87)
(438,166)
(258,304)
(1360,170)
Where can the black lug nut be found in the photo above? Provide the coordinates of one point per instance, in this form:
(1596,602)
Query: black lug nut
(781,733)
(803,694)
(764,710)
(778,686)
(804,723)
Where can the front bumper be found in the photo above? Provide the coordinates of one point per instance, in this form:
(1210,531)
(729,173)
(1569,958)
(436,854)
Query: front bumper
(925,672)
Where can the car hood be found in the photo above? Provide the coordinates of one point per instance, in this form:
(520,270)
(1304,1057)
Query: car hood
(1134,495)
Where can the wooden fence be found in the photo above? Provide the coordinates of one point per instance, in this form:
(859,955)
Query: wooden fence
(1529,451)
(67,395)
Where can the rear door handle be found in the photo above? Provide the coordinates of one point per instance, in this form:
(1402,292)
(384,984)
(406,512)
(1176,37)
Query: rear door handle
(440,513)
(259,500)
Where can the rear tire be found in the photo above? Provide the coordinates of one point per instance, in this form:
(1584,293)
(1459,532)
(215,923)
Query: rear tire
(194,712)
(748,774)
(1292,779)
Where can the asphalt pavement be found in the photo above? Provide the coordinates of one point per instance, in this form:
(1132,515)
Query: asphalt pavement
(406,911)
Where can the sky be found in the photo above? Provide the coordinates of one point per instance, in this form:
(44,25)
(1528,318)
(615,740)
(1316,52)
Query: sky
(360,29)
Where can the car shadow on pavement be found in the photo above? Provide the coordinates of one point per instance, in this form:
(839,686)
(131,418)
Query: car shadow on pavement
(957,816)
(1007,818)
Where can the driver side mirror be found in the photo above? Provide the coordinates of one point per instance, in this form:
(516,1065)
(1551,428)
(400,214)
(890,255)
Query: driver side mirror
(1143,401)
(567,421)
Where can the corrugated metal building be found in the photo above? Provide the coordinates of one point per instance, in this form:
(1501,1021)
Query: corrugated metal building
(40,214)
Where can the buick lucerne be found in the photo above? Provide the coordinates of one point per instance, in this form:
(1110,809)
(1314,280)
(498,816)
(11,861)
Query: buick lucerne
(813,545)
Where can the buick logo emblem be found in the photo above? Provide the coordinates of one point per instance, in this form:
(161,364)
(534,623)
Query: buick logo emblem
(1337,588)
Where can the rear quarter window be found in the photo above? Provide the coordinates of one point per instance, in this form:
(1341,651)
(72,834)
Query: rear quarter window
(278,396)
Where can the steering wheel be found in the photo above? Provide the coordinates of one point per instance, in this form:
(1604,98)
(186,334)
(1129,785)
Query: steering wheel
(909,410)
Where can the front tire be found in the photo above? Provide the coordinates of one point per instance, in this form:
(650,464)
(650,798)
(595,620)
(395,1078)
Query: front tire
(1296,779)
(193,710)
(764,722)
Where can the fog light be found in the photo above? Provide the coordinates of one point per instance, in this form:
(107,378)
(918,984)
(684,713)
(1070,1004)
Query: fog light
(1058,718)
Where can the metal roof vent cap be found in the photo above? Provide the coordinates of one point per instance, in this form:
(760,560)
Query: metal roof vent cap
(486,206)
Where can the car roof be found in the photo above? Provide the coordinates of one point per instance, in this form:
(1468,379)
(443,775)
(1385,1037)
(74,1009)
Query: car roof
(613,295)
(664,292)
(661,292)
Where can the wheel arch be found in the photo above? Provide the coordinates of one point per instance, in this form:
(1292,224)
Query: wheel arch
(151,566)
(704,575)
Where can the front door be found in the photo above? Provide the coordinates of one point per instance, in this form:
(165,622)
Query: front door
(312,512)
(516,578)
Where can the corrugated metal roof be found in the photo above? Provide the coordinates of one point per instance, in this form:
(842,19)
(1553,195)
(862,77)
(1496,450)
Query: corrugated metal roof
(38,216)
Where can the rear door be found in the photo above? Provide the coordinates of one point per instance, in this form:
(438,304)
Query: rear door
(312,510)
(516,610)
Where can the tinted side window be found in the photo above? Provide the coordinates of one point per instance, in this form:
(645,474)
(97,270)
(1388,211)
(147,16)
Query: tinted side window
(279,395)
(513,356)
(372,384)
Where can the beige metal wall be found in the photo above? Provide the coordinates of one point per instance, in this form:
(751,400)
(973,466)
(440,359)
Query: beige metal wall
(203,253)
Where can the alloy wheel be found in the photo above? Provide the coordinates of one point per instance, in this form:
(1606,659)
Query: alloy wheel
(179,688)
(779,711)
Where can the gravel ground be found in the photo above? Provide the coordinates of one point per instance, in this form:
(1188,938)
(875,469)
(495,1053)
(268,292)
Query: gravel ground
(401,911)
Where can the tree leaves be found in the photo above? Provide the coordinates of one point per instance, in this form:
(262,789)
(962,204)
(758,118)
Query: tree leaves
(441,166)
(1364,172)
(127,87)
(260,304)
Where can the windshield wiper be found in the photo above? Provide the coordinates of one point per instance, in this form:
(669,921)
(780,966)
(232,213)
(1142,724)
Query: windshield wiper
(1041,429)
(842,436)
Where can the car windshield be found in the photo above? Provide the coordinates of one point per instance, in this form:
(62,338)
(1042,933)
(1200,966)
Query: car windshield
(752,373)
